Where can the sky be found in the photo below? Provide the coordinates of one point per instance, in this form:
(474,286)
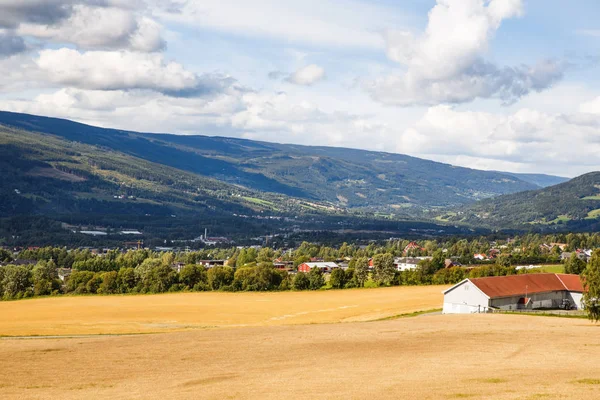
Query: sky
(510,85)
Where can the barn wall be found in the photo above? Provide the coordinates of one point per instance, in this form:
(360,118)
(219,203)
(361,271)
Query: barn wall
(577,298)
(465,299)
(538,300)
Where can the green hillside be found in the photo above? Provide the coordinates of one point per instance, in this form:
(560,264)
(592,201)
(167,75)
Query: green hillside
(49,183)
(573,205)
(345,178)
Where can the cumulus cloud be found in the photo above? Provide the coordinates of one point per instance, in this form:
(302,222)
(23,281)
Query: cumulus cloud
(94,24)
(123,70)
(307,75)
(101,28)
(526,140)
(445,64)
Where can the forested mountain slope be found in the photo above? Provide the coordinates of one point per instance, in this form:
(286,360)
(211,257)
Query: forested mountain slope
(574,205)
(345,178)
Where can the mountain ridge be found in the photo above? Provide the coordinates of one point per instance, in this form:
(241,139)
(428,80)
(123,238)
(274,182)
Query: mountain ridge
(573,205)
(347,178)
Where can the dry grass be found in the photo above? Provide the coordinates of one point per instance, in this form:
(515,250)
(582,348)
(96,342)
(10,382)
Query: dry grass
(426,357)
(183,311)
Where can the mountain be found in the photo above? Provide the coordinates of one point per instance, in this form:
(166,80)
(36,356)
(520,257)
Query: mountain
(340,177)
(51,186)
(540,180)
(573,205)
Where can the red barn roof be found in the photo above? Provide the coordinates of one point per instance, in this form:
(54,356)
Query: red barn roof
(516,285)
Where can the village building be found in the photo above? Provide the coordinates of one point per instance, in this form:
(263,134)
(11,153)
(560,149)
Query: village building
(407,263)
(413,246)
(212,263)
(514,292)
(324,266)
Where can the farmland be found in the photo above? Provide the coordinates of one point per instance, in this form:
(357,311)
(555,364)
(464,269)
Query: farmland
(292,345)
(85,315)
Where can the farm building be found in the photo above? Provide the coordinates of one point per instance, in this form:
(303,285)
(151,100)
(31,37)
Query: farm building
(324,266)
(514,292)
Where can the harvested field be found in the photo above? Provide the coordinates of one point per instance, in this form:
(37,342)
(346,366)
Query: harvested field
(426,357)
(87,315)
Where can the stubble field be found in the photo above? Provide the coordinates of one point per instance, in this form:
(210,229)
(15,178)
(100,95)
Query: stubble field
(423,357)
(87,315)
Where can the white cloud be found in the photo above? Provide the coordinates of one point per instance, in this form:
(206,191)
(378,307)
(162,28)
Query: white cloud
(307,75)
(96,24)
(592,107)
(123,70)
(344,23)
(524,141)
(445,64)
(101,28)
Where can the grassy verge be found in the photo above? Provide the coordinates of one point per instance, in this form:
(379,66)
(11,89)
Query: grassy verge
(545,314)
(409,315)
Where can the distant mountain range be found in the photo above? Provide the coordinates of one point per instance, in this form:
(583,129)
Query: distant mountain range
(80,174)
(572,205)
(342,177)
(540,180)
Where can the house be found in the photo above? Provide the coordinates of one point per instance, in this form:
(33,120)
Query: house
(19,262)
(493,253)
(412,246)
(514,292)
(407,263)
(581,254)
(480,257)
(63,273)
(178,266)
(212,263)
(324,266)
(449,263)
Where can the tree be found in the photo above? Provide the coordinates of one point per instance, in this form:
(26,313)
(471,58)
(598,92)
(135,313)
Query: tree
(265,255)
(361,268)
(316,279)
(338,278)
(126,280)
(219,277)
(5,256)
(591,282)
(191,275)
(109,283)
(162,278)
(16,282)
(45,278)
(301,281)
(383,268)
(574,265)
(154,275)
(77,282)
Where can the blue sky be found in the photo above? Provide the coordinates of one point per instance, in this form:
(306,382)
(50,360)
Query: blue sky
(490,84)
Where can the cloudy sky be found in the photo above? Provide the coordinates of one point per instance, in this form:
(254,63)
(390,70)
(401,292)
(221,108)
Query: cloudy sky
(492,84)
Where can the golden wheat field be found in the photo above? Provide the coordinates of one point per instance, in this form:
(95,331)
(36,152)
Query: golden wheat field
(181,311)
(250,355)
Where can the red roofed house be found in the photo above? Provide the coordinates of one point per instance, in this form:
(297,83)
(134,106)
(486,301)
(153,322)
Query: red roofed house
(324,266)
(412,246)
(514,292)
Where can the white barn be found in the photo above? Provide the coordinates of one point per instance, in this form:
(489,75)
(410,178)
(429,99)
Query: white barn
(514,292)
